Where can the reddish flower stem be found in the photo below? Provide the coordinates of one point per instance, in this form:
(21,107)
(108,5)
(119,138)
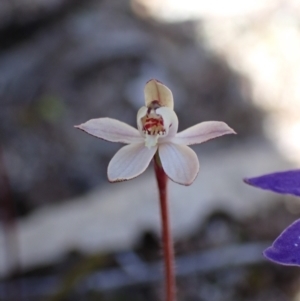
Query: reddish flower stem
(168,247)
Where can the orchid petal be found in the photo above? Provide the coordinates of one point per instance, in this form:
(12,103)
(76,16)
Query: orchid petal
(203,132)
(170,121)
(111,130)
(179,162)
(286,248)
(157,91)
(129,162)
(140,114)
(286,182)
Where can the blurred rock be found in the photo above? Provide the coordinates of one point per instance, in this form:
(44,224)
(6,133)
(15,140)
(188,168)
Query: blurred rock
(93,61)
(114,218)
(24,12)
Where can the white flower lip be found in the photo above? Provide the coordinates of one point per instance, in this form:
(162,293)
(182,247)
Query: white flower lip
(157,131)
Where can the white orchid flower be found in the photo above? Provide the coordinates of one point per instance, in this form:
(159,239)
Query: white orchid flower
(157,125)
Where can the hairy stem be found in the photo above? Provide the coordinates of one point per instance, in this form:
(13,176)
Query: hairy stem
(168,247)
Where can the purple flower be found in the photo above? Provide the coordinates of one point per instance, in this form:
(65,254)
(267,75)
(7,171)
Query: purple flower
(285,182)
(286,248)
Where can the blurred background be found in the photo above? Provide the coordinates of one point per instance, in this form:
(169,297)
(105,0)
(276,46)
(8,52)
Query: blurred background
(68,234)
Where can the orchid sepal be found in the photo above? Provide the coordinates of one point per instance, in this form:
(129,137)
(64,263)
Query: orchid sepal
(203,132)
(111,130)
(155,91)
